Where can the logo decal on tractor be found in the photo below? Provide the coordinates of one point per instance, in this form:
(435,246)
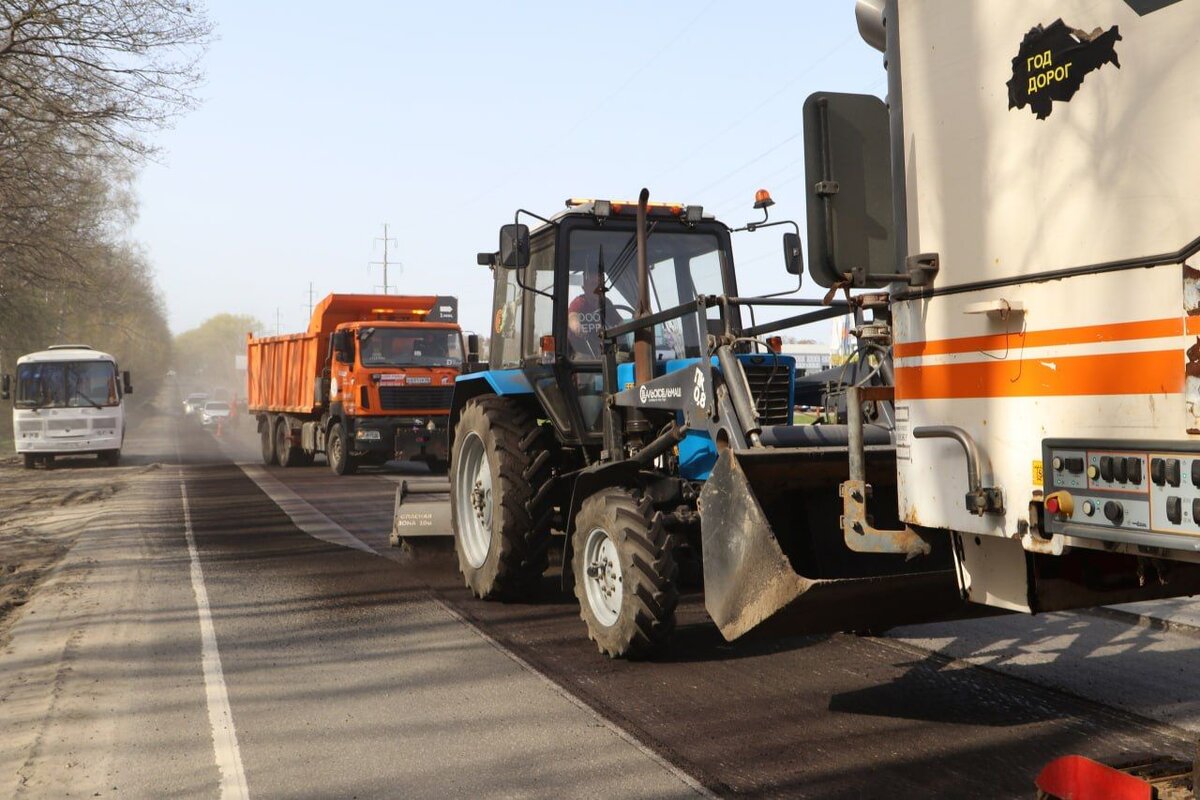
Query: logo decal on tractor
(699,395)
(1053,61)
(658,394)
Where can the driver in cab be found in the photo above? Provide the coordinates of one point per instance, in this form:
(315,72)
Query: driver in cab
(584,321)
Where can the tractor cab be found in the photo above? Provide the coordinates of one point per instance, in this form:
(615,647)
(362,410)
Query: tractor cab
(560,286)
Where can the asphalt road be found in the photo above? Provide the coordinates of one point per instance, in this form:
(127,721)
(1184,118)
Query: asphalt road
(350,668)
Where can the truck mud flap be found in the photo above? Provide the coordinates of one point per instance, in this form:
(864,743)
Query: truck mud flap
(422,510)
(775,561)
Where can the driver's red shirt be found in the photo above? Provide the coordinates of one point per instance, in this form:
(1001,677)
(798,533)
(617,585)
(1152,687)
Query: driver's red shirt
(587,307)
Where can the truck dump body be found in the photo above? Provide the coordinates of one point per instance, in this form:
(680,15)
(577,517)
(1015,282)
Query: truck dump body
(281,372)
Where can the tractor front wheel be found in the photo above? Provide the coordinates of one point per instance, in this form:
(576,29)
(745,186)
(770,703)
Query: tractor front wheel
(626,578)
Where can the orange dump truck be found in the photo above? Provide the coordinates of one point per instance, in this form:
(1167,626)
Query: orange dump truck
(370,381)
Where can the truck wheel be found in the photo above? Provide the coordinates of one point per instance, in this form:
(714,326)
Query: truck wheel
(30,461)
(267,434)
(625,573)
(110,458)
(286,451)
(501,460)
(337,451)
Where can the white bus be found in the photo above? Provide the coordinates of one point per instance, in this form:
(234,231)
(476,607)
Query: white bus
(68,401)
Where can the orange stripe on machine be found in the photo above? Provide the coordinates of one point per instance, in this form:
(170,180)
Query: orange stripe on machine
(1118,332)
(1152,372)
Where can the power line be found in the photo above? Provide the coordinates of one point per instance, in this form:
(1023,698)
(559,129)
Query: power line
(562,138)
(703,147)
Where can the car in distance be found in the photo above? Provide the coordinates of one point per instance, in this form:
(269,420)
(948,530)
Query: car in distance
(194,403)
(212,411)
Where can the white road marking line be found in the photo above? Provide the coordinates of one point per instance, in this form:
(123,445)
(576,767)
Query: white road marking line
(302,513)
(220,717)
(305,517)
(565,693)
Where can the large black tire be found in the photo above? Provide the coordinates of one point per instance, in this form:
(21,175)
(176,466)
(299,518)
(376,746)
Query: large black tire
(110,458)
(629,605)
(267,435)
(500,472)
(337,451)
(30,460)
(287,451)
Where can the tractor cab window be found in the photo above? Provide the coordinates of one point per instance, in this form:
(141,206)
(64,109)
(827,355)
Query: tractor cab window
(683,265)
(506,320)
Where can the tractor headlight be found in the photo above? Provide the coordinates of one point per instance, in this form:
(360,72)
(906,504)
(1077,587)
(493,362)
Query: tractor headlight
(367,434)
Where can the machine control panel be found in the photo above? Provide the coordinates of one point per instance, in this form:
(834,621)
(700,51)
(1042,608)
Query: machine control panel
(1103,487)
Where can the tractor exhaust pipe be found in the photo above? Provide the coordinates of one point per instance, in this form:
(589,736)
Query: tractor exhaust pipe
(643,338)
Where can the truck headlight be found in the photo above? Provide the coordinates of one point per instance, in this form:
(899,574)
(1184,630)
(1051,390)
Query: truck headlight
(368,434)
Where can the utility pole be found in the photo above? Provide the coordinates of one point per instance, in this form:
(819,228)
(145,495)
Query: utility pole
(276,320)
(386,241)
(310,299)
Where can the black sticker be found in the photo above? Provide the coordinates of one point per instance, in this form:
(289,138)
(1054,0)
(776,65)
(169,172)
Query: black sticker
(1053,62)
(1144,7)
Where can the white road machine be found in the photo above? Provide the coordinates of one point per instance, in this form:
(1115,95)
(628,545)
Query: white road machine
(69,400)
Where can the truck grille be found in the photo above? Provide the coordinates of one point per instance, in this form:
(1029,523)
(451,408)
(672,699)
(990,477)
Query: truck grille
(104,423)
(30,426)
(394,398)
(770,385)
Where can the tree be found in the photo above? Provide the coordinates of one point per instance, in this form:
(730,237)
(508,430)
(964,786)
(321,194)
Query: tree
(204,355)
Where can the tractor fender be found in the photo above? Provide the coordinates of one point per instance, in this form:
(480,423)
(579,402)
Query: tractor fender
(501,382)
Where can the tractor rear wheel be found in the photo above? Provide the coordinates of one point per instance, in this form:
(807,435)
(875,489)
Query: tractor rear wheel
(626,578)
(499,471)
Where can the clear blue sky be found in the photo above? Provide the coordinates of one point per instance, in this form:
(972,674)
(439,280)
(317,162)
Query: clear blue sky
(319,124)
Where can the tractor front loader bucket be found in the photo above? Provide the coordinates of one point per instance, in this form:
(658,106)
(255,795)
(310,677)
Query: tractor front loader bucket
(422,510)
(775,560)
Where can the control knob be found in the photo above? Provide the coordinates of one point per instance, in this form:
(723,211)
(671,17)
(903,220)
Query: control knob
(1113,512)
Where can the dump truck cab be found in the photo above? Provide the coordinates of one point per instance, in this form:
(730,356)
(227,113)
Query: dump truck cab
(391,382)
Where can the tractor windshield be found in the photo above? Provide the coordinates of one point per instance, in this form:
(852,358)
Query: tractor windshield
(683,265)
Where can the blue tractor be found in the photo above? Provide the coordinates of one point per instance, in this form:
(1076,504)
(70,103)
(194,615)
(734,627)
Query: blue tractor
(631,404)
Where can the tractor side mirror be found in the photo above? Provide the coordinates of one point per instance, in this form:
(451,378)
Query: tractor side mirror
(343,346)
(793,255)
(514,246)
(5,387)
(125,379)
(472,348)
(485,259)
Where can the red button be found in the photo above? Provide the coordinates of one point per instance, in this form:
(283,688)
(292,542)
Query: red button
(1052,505)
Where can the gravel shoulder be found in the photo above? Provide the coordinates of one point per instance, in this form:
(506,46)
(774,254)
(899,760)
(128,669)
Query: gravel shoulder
(42,512)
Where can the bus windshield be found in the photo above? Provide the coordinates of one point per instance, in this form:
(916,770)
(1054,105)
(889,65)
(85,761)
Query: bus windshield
(410,347)
(67,384)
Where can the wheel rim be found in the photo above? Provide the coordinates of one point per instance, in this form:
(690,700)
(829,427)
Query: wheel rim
(473,486)
(281,440)
(602,577)
(335,450)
